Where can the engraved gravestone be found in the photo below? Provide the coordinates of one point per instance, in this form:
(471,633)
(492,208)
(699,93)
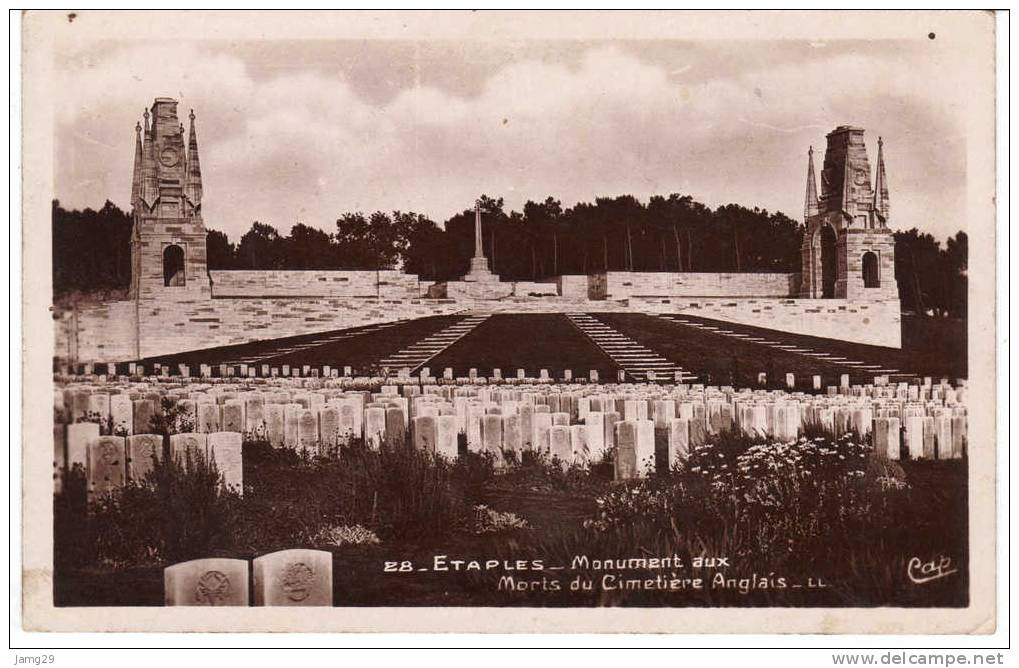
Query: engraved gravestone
(142,451)
(423,434)
(106,465)
(329,428)
(188,445)
(213,582)
(208,418)
(274,425)
(294,578)
(307,430)
(232,418)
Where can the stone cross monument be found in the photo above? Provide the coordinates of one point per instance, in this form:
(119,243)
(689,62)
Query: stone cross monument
(480,271)
(478,251)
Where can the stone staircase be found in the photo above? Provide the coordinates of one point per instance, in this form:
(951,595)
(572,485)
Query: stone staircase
(417,355)
(828,357)
(636,360)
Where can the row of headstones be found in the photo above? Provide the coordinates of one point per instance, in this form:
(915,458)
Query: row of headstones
(207,371)
(284,578)
(641,445)
(76,400)
(424,376)
(386,415)
(109,462)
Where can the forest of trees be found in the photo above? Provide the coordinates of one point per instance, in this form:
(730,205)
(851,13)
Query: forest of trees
(672,233)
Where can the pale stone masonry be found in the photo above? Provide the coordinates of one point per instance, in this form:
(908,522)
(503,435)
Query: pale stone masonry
(847,288)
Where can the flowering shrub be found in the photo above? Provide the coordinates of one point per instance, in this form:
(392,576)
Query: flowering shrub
(758,497)
(486,520)
(347,535)
(625,505)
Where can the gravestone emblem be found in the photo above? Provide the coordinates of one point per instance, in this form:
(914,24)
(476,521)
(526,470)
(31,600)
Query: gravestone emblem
(108,452)
(212,588)
(294,577)
(296,581)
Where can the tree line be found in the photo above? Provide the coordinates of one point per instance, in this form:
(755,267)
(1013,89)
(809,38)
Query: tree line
(673,233)
(667,233)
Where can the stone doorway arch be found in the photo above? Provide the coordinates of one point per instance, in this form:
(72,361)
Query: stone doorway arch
(173,266)
(871,279)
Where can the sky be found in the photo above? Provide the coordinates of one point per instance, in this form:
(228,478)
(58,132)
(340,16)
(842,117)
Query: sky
(306,130)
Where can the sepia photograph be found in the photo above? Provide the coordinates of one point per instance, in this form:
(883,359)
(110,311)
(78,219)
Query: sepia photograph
(405,315)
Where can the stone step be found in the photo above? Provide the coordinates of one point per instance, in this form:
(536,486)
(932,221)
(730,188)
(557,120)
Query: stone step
(418,353)
(635,360)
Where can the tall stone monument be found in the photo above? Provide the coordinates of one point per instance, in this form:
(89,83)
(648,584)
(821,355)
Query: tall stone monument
(168,259)
(480,271)
(848,252)
(168,240)
(479,282)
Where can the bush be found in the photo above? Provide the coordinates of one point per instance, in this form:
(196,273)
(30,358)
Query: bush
(538,470)
(179,511)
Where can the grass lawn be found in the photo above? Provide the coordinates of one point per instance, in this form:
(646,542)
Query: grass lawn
(532,341)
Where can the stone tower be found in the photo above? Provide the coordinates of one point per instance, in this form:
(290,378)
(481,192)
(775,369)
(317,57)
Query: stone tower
(168,241)
(848,252)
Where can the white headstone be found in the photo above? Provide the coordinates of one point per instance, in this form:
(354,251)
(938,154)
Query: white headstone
(207,582)
(293,578)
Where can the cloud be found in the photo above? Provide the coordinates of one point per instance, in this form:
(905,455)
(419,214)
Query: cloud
(307,145)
